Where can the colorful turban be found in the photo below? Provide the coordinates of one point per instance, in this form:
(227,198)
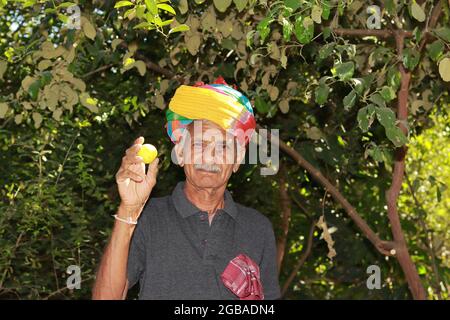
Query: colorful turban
(217,102)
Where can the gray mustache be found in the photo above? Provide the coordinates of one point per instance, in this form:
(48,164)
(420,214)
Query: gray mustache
(207,167)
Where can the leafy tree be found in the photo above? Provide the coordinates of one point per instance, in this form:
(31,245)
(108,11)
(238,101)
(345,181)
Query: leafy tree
(80,80)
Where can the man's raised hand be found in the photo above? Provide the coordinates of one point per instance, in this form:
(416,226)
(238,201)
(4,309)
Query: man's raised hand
(135,185)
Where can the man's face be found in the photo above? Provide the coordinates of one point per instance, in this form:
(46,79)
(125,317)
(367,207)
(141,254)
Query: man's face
(210,154)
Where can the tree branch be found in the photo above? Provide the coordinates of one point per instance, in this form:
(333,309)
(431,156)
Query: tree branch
(153,66)
(431,23)
(380,33)
(301,260)
(285,204)
(383,247)
(401,249)
(100,69)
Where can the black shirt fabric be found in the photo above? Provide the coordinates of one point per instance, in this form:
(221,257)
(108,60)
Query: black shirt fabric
(176,254)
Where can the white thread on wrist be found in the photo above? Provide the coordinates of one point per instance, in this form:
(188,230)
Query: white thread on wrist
(128,221)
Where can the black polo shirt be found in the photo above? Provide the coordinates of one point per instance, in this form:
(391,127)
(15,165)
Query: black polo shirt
(176,254)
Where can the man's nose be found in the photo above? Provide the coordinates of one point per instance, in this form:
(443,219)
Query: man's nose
(214,154)
(209,154)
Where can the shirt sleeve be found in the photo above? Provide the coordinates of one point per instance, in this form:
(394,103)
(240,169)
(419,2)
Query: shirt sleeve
(136,254)
(268,267)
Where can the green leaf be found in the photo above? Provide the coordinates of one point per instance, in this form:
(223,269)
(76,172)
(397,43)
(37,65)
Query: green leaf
(325,9)
(314,133)
(410,58)
(120,4)
(417,32)
(166,7)
(365,117)
(326,33)
(33,89)
(326,50)
(321,93)
(386,117)
(3,109)
(349,100)
(89,30)
(344,70)
(304,29)
(128,63)
(393,78)
(140,11)
(377,99)
(390,6)
(388,93)
(140,65)
(37,118)
(293,4)
(417,12)
(144,25)
(316,14)
(89,102)
(261,105)
(438,194)
(180,28)
(396,135)
(287,29)
(45,79)
(435,50)
(443,33)
(158,21)
(66,5)
(444,69)
(264,28)
(375,152)
(341,6)
(166,22)
(240,4)
(130,14)
(3,67)
(359,84)
(151,7)
(63,18)
(222,5)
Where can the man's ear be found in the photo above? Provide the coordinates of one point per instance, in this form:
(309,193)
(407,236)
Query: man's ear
(179,153)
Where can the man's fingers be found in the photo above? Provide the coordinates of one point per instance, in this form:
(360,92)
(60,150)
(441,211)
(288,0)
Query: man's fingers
(124,174)
(133,150)
(152,170)
(130,159)
(139,140)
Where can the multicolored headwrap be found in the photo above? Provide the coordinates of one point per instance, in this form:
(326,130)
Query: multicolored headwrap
(217,102)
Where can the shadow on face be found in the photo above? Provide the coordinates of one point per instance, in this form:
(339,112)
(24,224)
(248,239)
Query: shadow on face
(209,154)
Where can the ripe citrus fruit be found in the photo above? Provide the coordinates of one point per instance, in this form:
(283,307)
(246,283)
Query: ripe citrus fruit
(148,152)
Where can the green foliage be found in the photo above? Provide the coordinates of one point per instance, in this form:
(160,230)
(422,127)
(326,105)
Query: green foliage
(72,100)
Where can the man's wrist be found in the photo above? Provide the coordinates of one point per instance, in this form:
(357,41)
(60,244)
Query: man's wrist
(132,212)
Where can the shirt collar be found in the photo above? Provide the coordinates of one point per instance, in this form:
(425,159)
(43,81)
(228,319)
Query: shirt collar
(187,208)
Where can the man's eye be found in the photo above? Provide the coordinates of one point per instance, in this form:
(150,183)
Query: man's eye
(198,145)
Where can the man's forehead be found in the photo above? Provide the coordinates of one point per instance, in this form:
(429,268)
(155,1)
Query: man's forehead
(207,130)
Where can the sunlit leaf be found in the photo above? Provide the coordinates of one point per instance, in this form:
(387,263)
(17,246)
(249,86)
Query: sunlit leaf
(120,4)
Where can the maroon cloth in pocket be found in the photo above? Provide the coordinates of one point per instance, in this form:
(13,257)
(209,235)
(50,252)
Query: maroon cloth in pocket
(242,277)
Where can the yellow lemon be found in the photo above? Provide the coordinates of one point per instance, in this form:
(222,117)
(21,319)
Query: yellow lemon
(148,152)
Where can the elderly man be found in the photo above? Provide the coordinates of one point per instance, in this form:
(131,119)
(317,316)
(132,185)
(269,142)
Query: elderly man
(196,243)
